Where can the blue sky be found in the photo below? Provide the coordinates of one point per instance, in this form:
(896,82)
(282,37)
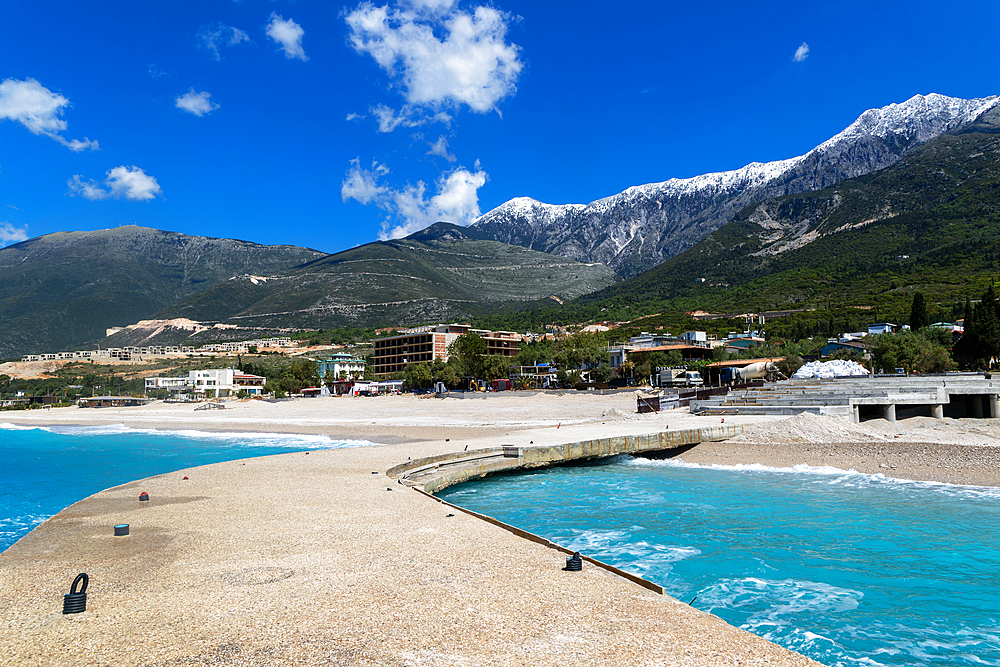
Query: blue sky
(329,125)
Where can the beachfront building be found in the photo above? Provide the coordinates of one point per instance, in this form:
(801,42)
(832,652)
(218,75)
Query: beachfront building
(351,367)
(211,383)
(219,382)
(539,376)
(425,344)
(691,346)
(111,402)
(176,386)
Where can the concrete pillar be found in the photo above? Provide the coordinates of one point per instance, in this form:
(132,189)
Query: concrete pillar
(937,411)
(994,406)
(977,406)
(890,412)
(856,411)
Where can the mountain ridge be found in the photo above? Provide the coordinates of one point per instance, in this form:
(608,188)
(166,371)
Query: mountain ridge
(641,226)
(440,273)
(66,288)
(931,221)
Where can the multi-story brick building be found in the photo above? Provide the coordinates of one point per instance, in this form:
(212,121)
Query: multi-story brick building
(425,344)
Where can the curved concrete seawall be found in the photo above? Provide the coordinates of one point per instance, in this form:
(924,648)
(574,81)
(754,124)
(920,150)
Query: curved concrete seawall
(434,473)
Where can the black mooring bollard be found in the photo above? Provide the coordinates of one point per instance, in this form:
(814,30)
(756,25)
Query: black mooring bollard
(574,564)
(75,602)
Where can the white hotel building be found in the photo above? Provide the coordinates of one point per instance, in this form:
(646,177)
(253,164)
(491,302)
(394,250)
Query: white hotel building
(213,383)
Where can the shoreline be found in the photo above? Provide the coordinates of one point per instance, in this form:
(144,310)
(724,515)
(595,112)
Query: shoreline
(953,451)
(322,559)
(961,465)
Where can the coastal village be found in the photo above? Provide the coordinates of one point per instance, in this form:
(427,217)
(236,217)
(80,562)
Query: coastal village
(444,333)
(693,369)
(385,366)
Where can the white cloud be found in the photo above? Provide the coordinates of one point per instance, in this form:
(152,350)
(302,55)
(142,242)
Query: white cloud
(196,103)
(39,109)
(456,199)
(441,56)
(87,189)
(78,145)
(440,148)
(155,71)
(409,116)
(11,234)
(288,34)
(215,37)
(801,53)
(389,120)
(432,5)
(362,184)
(121,182)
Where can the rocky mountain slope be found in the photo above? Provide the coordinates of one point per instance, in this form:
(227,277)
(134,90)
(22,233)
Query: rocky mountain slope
(930,222)
(63,289)
(644,225)
(441,273)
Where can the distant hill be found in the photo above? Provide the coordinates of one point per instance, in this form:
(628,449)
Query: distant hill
(441,273)
(930,222)
(63,289)
(635,230)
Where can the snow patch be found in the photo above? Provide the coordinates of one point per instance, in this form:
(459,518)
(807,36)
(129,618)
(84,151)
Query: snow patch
(922,117)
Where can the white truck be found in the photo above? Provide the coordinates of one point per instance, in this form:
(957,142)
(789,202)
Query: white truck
(678,377)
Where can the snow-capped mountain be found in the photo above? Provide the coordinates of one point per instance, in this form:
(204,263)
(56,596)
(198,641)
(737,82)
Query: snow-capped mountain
(646,224)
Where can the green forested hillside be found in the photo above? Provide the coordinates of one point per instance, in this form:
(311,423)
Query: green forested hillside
(931,223)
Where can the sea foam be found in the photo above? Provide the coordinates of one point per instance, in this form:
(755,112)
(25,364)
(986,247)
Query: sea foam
(846,477)
(236,438)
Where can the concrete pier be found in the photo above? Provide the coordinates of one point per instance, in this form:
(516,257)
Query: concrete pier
(435,473)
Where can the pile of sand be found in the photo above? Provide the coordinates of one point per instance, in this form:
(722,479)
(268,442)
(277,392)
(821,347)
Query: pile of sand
(617,414)
(808,427)
(820,429)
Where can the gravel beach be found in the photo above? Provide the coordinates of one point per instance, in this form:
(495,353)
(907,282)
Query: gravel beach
(320,559)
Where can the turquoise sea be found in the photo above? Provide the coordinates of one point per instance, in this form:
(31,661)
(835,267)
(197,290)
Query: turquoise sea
(849,569)
(44,470)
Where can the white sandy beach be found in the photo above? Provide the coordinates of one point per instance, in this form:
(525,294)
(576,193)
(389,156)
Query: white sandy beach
(311,559)
(948,450)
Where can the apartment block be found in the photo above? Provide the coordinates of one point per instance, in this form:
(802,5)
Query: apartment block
(425,344)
